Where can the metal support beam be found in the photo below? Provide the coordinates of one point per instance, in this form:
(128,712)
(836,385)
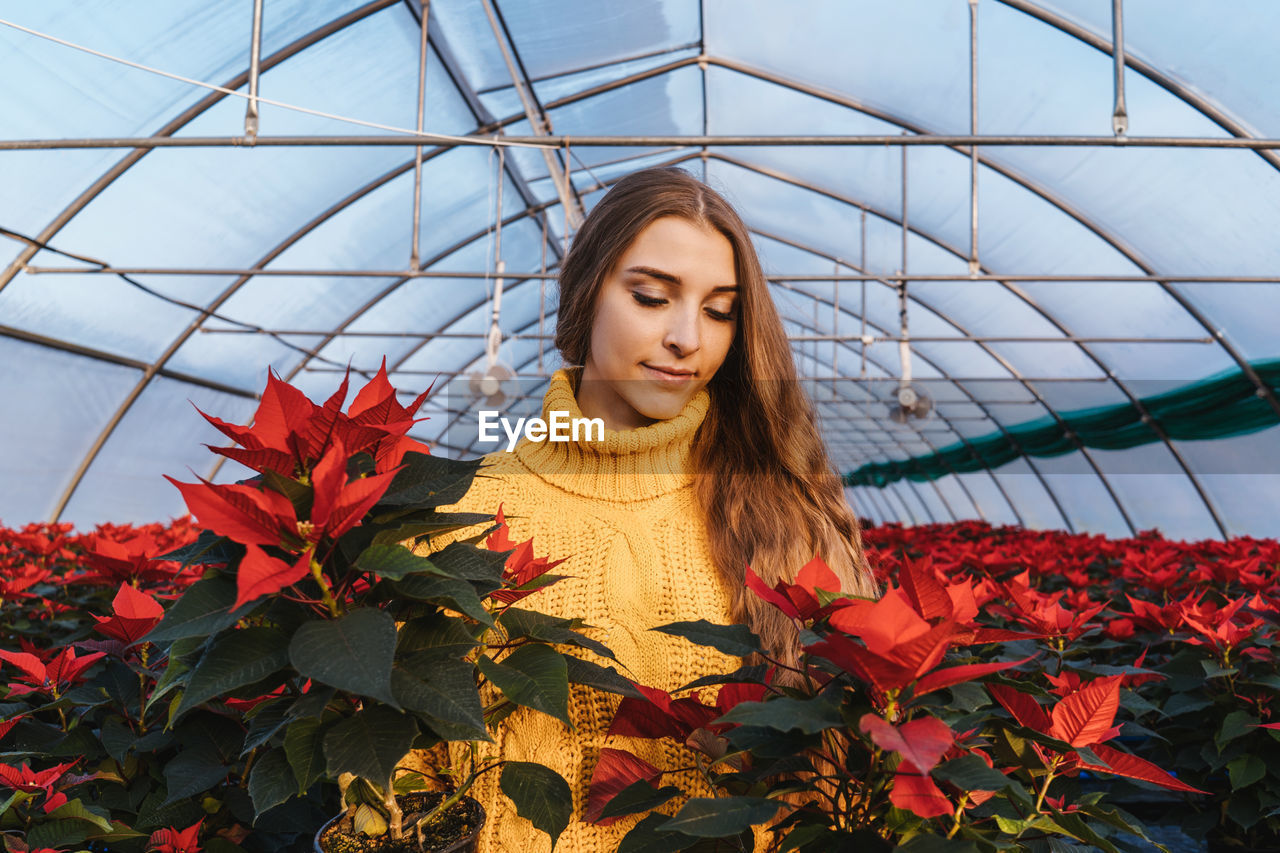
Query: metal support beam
(958,278)
(423,51)
(849,338)
(596,66)
(1198,101)
(556,141)
(1119,115)
(255,60)
(539,122)
(973,131)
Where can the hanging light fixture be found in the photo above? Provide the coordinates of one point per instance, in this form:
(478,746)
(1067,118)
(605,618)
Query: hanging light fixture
(494,383)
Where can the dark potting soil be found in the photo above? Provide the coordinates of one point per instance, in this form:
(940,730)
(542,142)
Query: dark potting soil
(457,823)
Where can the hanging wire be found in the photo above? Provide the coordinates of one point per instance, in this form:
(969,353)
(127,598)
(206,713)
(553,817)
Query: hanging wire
(494,340)
(437,137)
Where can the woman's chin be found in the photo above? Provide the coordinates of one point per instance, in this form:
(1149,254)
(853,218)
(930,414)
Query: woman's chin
(660,406)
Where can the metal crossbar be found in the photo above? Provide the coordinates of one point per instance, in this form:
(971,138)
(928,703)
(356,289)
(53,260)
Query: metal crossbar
(802,277)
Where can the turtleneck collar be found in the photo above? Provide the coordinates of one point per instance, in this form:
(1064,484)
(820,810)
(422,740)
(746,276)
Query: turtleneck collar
(626,465)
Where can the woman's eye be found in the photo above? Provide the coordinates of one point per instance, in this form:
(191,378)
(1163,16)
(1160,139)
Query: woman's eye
(720,316)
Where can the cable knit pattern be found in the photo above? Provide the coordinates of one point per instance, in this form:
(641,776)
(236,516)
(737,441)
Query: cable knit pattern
(624,514)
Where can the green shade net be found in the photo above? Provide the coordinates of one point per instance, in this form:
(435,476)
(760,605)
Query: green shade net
(1223,405)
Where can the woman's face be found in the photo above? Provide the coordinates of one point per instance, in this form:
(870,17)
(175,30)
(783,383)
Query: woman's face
(664,319)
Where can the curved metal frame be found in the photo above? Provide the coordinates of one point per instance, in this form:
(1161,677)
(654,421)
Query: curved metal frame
(1203,105)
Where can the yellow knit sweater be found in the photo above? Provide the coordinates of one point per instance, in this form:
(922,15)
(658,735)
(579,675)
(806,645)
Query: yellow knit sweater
(624,514)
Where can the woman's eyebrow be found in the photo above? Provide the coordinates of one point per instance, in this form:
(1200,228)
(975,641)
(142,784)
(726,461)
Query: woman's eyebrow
(675,279)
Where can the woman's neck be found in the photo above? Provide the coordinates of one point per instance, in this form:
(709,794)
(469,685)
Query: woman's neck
(619,465)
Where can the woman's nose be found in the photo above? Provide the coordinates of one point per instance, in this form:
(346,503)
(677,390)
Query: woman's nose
(683,333)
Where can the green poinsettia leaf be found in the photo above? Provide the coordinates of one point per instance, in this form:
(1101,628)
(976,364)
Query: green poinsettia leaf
(304,747)
(203,610)
(434,637)
(429,481)
(446,694)
(478,565)
(520,623)
(370,744)
(271,781)
(717,817)
(236,659)
(639,796)
(393,562)
(971,773)
(535,676)
(604,678)
(353,653)
(785,714)
(540,795)
(736,640)
(454,593)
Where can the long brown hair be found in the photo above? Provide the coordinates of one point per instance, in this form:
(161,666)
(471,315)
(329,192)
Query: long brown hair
(770,496)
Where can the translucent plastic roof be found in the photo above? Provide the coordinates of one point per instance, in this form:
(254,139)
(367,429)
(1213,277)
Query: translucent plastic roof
(1170,244)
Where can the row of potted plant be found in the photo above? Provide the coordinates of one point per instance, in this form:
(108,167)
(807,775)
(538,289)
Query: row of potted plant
(235,682)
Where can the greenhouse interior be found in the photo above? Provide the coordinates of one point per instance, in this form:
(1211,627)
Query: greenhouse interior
(1024,253)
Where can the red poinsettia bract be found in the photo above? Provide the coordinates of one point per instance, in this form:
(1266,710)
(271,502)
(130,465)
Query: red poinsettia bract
(134,614)
(656,715)
(53,676)
(290,433)
(256,516)
(1084,718)
(170,840)
(921,742)
(30,781)
(905,634)
(523,573)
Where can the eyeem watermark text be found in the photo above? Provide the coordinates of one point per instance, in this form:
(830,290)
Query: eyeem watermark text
(560,428)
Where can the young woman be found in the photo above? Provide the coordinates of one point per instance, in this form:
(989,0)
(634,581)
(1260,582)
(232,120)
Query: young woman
(710,461)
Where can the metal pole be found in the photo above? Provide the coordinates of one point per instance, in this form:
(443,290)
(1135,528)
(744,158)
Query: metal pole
(813,352)
(417,160)
(973,131)
(570,223)
(904,345)
(958,278)
(255,61)
(538,122)
(553,141)
(835,326)
(802,378)
(845,338)
(863,313)
(1119,116)
(542,295)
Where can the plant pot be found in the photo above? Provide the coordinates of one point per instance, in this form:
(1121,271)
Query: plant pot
(464,822)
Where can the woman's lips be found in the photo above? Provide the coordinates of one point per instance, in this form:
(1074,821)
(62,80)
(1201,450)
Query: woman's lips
(669,378)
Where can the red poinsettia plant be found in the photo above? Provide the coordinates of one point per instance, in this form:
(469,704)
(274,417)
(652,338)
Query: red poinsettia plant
(329,620)
(88,696)
(913,724)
